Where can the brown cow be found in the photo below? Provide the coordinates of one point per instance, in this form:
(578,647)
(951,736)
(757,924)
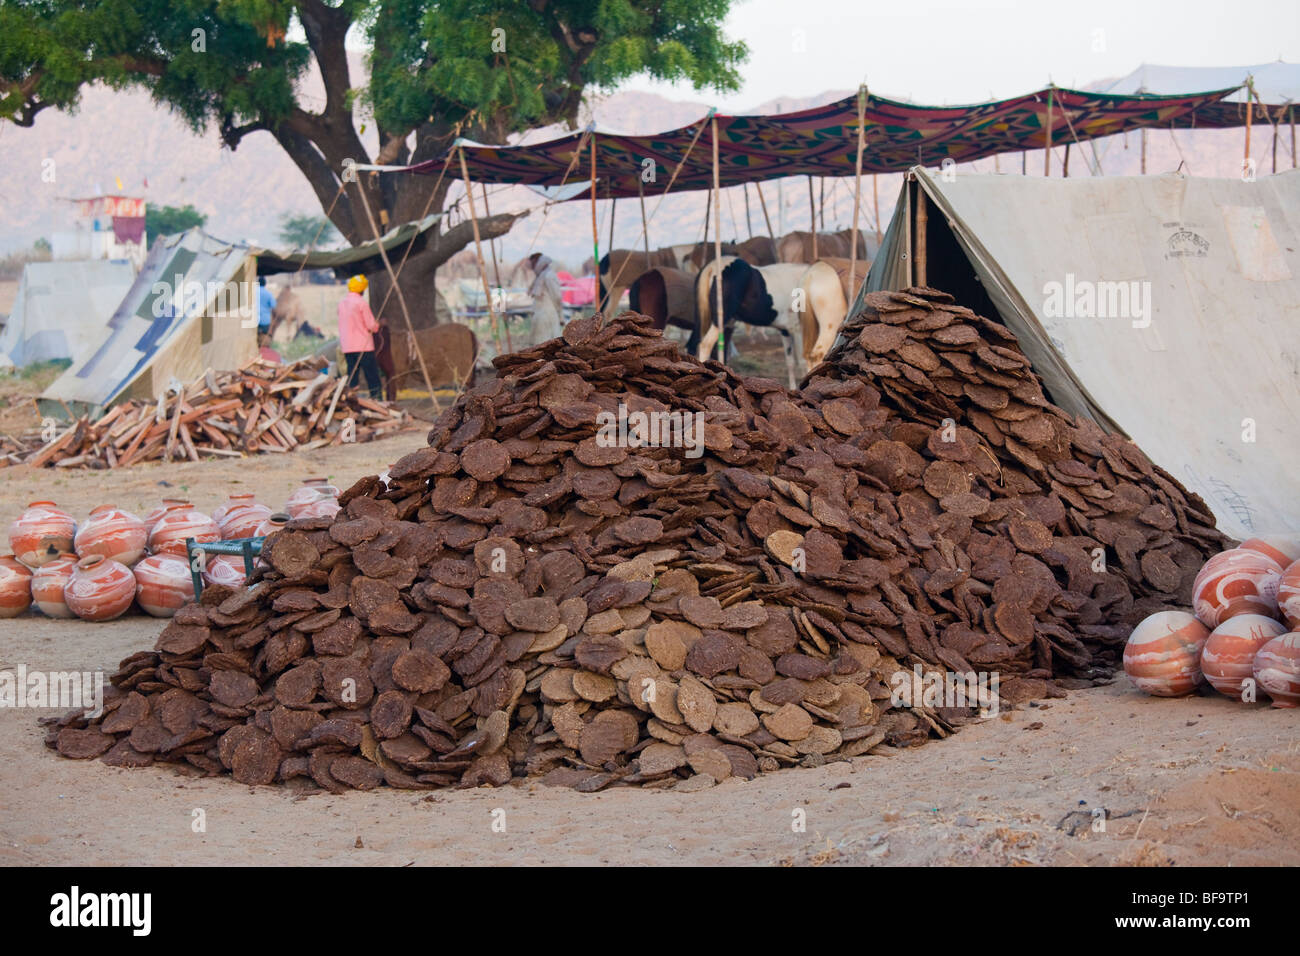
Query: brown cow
(449,351)
(757,250)
(666,295)
(798,246)
(620,267)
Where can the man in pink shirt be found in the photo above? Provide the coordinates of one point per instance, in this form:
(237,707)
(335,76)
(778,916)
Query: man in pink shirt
(357,327)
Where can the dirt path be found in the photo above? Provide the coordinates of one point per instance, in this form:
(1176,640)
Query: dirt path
(1199,780)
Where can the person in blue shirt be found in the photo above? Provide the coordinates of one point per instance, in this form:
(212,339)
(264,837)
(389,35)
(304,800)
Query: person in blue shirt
(265,304)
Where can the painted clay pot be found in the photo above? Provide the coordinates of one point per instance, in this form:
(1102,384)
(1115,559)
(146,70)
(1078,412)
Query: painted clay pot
(41,533)
(1277,669)
(320,508)
(100,589)
(271,525)
(113,533)
(152,517)
(1229,653)
(1235,582)
(313,489)
(1282,548)
(48,584)
(1288,596)
(227,569)
(241,520)
(1163,654)
(178,523)
(15,586)
(163,584)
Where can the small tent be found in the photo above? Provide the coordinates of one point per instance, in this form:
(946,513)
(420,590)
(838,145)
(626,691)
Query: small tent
(191,308)
(61,308)
(1163,307)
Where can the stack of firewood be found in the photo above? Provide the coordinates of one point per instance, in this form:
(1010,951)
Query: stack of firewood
(262,407)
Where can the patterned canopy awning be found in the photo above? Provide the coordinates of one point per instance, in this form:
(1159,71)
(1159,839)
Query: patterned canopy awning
(821,141)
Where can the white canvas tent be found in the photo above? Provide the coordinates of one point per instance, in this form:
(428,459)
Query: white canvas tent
(1274,83)
(61,309)
(191,308)
(1202,369)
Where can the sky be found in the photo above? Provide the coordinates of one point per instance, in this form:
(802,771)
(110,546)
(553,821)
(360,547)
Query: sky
(948,52)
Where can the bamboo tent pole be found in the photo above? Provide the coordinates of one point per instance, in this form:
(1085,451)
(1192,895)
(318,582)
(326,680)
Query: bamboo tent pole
(749,224)
(595,232)
(1291,110)
(487,212)
(821,203)
(717,249)
(758,187)
(812,217)
(1250,117)
(613,208)
(875,197)
(1047,134)
(478,250)
(645,224)
(401,298)
(857,194)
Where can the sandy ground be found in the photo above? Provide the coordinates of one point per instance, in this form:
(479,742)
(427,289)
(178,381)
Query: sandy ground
(1193,781)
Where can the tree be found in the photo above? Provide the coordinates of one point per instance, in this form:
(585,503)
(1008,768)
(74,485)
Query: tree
(164,220)
(438,69)
(303,232)
(42,245)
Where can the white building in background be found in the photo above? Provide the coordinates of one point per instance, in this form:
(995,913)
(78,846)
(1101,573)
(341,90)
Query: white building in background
(105,227)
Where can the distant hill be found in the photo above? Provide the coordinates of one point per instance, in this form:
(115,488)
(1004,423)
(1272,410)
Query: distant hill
(246,192)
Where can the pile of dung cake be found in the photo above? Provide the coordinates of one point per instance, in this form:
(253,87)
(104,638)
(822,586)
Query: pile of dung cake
(528,598)
(1044,540)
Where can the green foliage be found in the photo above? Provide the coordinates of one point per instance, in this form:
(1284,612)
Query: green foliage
(164,220)
(42,245)
(447,59)
(302,232)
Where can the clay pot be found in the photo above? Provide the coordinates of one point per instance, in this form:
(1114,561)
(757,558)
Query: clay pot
(312,490)
(321,508)
(152,517)
(41,533)
(113,533)
(178,523)
(163,584)
(1282,548)
(1235,582)
(1288,595)
(100,589)
(1229,652)
(1277,669)
(15,586)
(243,519)
(1163,654)
(272,524)
(227,569)
(48,584)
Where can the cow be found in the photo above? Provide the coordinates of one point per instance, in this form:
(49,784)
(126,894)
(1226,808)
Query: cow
(820,309)
(757,251)
(449,350)
(798,246)
(667,296)
(619,267)
(756,296)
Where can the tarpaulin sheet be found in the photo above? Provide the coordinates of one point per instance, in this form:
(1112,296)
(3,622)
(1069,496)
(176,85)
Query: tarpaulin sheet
(822,141)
